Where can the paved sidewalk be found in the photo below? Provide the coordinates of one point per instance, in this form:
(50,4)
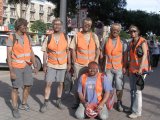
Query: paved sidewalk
(151,101)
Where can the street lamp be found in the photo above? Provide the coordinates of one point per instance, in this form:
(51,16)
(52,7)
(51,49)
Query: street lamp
(63,12)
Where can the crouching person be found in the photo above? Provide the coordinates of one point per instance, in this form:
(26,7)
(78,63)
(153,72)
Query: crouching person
(93,90)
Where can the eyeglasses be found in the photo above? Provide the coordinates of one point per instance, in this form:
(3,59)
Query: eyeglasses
(92,69)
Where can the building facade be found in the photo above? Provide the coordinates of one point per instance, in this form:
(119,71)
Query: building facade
(35,10)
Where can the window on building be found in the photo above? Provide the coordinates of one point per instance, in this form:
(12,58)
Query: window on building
(49,10)
(24,14)
(13,13)
(41,7)
(32,16)
(48,18)
(32,6)
(41,17)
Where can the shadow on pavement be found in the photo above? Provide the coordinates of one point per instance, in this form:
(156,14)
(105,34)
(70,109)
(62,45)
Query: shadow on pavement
(5,93)
(37,89)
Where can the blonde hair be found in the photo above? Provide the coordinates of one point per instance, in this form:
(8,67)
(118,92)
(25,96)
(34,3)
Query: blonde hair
(134,27)
(116,24)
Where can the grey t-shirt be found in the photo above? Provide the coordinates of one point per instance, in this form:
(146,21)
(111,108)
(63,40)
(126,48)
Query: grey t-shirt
(9,41)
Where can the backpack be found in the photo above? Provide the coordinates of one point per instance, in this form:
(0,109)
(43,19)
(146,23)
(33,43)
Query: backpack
(50,37)
(15,39)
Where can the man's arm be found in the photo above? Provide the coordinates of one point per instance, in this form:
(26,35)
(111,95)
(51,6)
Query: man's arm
(45,57)
(9,60)
(97,52)
(72,48)
(144,47)
(9,53)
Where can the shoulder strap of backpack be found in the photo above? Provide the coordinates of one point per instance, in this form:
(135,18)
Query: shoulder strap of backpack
(28,38)
(14,38)
(49,38)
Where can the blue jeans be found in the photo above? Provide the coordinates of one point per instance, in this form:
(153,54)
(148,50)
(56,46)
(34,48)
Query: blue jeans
(136,96)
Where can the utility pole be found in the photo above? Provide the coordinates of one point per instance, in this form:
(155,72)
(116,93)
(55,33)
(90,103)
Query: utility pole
(63,12)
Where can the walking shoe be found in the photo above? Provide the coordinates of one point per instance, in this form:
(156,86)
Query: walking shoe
(134,115)
(119,106)
(16,113)
(59,104)
(44,107)
(24,107)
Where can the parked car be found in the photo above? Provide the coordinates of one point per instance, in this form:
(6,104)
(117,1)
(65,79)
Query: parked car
(3,50)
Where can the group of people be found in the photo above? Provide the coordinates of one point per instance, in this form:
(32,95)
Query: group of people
(92,85)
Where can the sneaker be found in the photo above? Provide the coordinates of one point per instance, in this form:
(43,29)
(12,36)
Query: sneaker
(59,104)
(133,115)
(24,107)
(44,107)
(119,106)
(16,113)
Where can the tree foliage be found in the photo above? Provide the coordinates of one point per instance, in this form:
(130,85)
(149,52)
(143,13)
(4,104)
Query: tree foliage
(38,26)
(71,7)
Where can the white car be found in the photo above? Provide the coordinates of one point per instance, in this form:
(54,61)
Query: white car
(3,50)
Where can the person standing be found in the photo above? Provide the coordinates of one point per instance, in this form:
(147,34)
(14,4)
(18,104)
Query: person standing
(93,90)
(84,49)
(116,58)
(56,59)
(20,56)
(137,65)
(155,53)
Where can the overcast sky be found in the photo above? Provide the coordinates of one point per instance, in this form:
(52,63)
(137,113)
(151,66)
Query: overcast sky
(146,5)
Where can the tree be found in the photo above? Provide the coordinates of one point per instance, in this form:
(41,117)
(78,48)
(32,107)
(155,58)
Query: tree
(97,9)
(38,26)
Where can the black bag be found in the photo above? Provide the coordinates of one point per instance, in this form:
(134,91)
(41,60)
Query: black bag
(140,82)
(68,83)
(139,50)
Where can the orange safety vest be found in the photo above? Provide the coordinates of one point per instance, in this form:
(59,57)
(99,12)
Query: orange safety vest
(135,62)
(98,87)
(115,57)
(85,52)
(20,53)
(57,53)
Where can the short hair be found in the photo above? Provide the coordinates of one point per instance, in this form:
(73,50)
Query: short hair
(57,19)
(19,22)
(116,24)
(87,19)
(132,27)
(93,63)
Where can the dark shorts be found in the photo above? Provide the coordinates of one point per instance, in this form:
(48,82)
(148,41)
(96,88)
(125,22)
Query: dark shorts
(23,77)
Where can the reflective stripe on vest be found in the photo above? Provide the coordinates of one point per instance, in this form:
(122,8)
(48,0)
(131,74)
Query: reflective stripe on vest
(98,87)
(20,61)
(22,55)
(56,52)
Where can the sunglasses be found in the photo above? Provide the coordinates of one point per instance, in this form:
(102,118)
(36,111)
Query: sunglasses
(133,31)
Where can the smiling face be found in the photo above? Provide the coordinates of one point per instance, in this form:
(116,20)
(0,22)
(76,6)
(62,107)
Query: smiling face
(92,69)
(23,28)
(87,24)
(115,30)
(57,25)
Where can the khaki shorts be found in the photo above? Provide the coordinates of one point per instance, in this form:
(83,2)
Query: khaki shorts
(55,75)
(23,77)
(116,78)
